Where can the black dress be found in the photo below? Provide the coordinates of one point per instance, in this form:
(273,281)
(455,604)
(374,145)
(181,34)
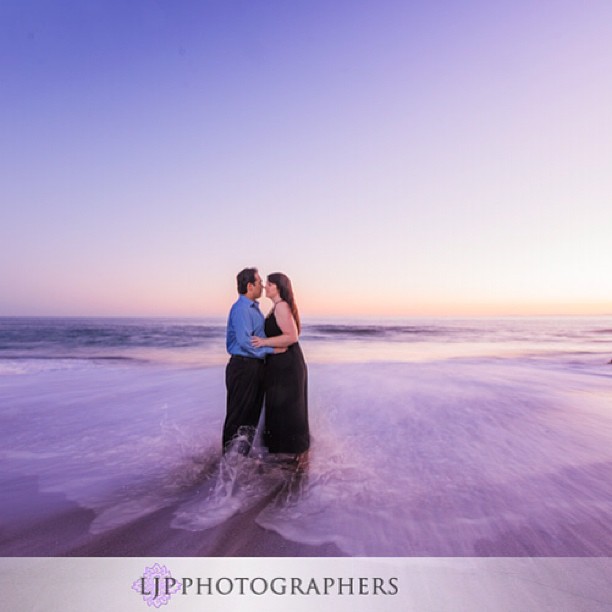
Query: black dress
(286,387)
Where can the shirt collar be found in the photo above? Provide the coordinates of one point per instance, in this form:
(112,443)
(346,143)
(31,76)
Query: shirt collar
(250,303)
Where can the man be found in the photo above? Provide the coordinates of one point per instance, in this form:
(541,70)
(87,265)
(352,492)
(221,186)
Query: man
(245,371)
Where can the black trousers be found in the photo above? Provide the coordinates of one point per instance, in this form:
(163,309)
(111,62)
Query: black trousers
(244,381)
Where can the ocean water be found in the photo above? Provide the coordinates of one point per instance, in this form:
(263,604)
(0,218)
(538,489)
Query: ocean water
(469,437)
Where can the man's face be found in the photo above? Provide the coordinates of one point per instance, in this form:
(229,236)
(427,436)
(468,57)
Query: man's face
(257,287)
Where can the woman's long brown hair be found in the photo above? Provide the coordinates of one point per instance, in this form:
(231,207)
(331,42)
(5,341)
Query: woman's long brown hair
(285,291)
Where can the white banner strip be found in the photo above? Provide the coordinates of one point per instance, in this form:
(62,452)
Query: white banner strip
(305,584)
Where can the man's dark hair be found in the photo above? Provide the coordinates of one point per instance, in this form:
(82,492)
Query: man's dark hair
(245,277)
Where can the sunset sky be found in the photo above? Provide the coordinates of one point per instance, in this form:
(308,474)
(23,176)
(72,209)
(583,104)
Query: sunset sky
(393,158)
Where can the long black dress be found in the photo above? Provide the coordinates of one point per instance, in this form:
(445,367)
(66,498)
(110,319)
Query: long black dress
(286,385)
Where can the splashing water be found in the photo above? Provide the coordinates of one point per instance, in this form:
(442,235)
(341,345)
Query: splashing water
(243,482)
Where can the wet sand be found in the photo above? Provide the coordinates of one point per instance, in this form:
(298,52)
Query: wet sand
(40,524)
(35,524)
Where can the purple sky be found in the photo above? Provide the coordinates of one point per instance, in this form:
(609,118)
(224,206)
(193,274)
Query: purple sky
(394,158)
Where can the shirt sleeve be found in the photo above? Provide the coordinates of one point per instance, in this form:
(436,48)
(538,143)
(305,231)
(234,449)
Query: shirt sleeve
(243,336)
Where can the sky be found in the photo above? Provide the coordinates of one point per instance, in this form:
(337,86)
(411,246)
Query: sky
(393,158)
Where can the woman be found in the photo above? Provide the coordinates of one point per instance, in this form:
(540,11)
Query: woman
(286,378)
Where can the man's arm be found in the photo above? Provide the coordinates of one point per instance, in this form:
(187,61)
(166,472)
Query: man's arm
(243,330)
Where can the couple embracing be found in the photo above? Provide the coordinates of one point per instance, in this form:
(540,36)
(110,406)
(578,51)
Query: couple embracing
(266,364)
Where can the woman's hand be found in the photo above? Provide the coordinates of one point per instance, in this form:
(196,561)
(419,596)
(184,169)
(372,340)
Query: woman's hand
(258,342)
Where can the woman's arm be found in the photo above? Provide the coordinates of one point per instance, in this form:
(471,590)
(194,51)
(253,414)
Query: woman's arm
(286,322)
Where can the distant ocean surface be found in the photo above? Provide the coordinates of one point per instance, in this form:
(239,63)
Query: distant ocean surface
(431,437)
(30,344)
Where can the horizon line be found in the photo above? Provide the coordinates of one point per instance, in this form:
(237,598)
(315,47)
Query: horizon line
(313,317)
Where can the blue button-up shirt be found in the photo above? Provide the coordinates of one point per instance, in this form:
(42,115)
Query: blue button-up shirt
(245,321)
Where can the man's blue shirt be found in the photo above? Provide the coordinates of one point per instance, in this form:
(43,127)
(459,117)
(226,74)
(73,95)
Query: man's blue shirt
(245,321)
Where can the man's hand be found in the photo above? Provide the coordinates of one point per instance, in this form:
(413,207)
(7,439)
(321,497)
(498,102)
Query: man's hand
(258,342)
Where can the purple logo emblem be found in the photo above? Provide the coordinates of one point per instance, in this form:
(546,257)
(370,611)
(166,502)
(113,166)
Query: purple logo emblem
(157,585)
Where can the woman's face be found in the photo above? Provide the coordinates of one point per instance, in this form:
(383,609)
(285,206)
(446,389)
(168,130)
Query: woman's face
(271,290)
